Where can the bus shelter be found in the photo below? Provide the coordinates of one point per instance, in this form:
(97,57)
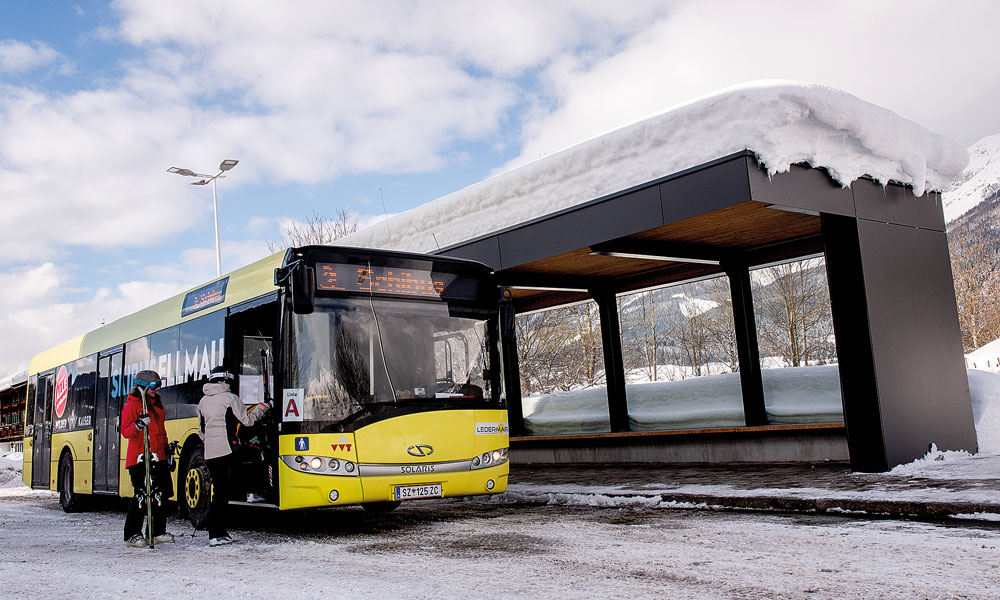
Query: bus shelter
(902,379)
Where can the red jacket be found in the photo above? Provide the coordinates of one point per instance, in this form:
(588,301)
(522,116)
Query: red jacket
(157,432)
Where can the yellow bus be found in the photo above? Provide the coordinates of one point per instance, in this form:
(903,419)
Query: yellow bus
(384,369)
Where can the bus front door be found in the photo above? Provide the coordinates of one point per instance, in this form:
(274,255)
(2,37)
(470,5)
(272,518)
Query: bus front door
(250,337)
(42,445)
(107,416)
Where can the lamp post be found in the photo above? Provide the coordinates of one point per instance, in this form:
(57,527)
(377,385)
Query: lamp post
(223,167)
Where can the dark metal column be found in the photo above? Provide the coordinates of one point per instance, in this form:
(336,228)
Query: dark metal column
(511,370)
(903,377)
(614,368)
(751,383)
(849,305)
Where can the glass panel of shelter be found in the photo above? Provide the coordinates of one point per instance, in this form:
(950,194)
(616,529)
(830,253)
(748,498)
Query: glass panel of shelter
(680,357)
(561,360)
(798,353)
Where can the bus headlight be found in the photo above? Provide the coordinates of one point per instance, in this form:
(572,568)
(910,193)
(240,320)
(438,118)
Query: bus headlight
(490,459)
(489,484)
(334,494)
(321,465)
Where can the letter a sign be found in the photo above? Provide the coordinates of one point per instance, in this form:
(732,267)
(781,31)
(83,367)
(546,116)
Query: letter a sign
(291,406)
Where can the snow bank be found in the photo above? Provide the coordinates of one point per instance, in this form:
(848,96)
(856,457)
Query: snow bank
(782,122)
(985,358)
(984,387)
(10,470)
(794,395)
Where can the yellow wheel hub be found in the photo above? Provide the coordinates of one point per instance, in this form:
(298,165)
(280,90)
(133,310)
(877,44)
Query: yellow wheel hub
(193,488)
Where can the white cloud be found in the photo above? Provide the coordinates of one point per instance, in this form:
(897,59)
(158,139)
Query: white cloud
(21,57)
(299,96)
(927,61)
(34,318)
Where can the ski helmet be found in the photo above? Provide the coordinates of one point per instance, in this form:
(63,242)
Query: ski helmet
(220,374)
(147,380)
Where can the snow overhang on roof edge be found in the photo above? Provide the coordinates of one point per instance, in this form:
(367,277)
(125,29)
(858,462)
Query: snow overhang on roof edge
(782,122)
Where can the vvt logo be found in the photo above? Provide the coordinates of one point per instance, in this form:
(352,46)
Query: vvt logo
(301,444)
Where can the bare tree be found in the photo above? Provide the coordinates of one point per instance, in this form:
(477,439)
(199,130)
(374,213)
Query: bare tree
(976,276)
(637,315)
(560,349)
(722,323)
(792,302)
(317,230)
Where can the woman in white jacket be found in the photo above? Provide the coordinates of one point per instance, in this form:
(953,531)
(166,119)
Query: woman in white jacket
(213,408)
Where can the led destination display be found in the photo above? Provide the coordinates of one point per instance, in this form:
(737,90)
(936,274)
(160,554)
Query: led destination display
(382,280)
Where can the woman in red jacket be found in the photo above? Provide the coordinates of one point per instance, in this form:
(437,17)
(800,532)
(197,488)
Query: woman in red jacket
(134,421)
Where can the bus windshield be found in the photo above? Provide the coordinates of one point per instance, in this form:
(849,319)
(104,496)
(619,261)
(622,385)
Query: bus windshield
(356,355)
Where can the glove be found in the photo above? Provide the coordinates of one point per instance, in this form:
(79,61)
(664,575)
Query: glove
(173,449)
(142,421)
(265,405)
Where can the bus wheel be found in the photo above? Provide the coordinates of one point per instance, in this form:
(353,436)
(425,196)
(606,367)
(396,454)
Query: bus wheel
(69,500)
(379,508)
(197,489)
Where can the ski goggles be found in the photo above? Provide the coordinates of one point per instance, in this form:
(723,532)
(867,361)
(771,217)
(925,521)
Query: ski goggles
(148,385)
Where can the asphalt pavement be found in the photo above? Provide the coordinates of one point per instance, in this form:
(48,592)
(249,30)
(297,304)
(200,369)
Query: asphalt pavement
(949,488)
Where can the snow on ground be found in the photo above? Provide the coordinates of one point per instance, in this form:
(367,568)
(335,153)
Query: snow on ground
(477,550)
(782,122)
(10,470)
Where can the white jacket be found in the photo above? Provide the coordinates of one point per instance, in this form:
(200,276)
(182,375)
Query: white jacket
(212,409)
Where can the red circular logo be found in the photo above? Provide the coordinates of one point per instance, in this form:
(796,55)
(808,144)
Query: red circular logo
(62,390)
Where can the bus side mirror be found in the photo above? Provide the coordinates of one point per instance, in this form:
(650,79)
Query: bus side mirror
(303,290)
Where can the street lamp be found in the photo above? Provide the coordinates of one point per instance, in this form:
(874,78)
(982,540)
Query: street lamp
(223,167)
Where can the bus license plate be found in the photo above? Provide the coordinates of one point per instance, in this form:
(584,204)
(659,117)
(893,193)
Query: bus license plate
(411,492)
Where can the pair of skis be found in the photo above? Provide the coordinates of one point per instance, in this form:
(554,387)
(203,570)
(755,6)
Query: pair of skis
(149,475)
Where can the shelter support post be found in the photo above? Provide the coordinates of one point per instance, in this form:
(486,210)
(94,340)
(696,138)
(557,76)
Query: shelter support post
(751,382)
(511,370)
(899,347)
(614,367)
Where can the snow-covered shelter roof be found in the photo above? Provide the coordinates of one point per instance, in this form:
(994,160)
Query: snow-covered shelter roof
(783,123)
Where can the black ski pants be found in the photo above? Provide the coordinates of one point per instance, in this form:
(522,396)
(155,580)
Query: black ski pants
(162,490)
(219,469)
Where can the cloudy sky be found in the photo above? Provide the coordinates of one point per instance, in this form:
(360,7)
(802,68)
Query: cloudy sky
(376,107)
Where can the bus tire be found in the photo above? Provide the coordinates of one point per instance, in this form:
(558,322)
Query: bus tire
(68,499)
(380,508)
(197,489)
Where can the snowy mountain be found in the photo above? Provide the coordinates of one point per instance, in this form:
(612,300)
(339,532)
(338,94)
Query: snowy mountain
(978,183)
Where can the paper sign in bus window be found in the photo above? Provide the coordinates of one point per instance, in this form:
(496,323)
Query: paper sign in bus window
(291,405)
